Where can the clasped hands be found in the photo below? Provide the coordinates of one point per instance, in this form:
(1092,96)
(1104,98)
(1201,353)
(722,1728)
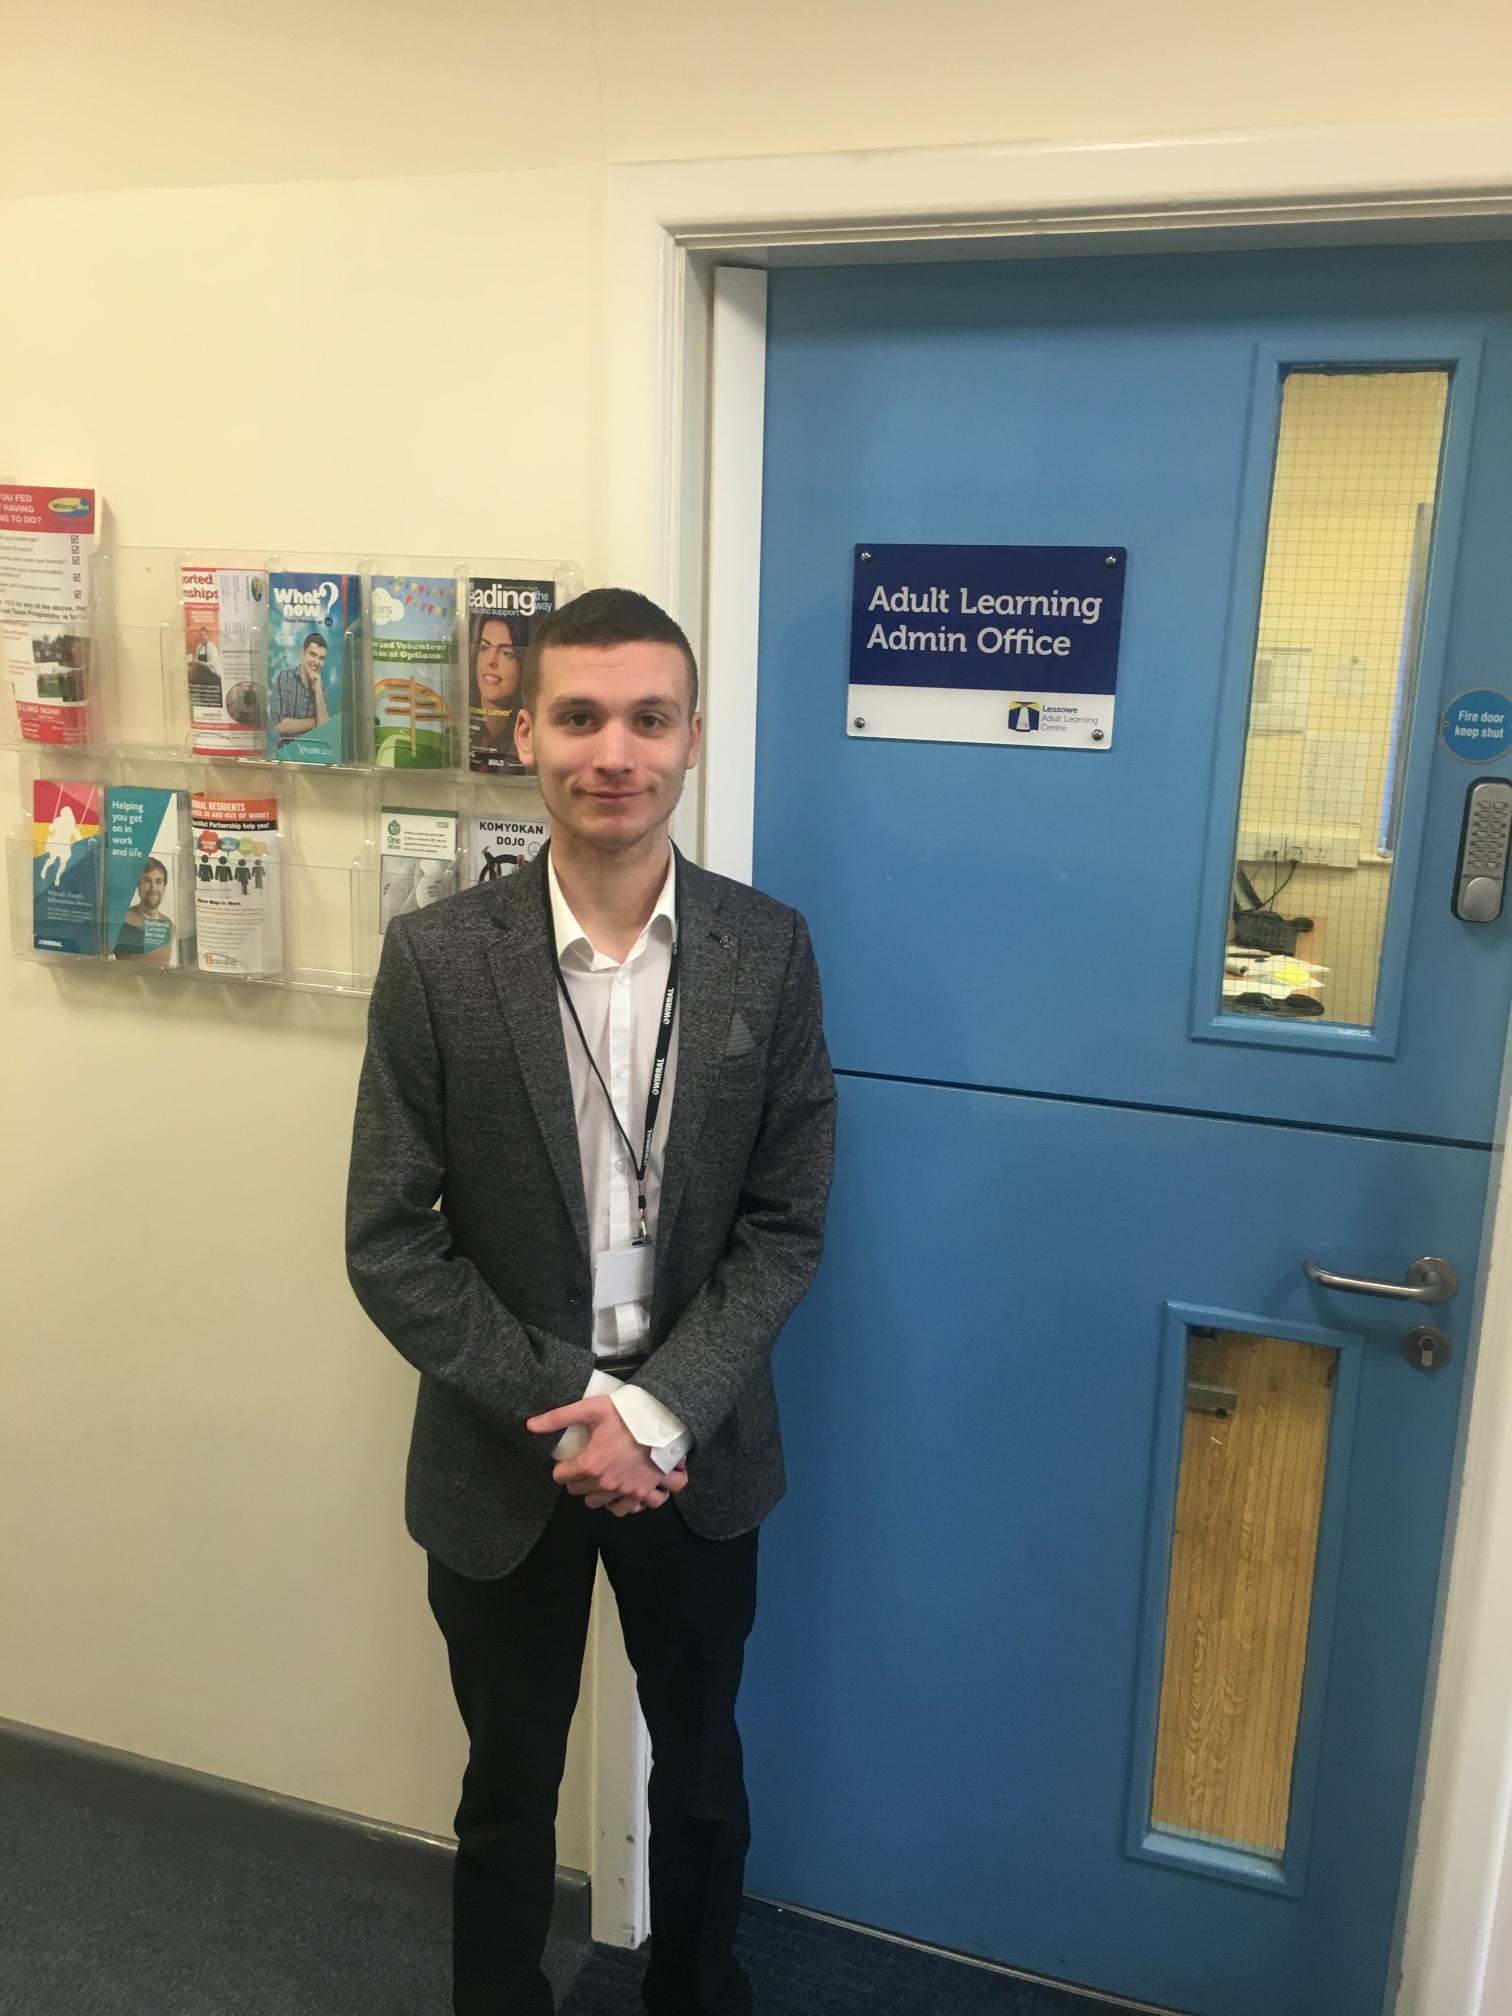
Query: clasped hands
(611,1470)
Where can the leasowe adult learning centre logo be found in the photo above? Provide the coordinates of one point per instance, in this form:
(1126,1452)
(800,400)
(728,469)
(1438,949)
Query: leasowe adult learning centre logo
(1023,716)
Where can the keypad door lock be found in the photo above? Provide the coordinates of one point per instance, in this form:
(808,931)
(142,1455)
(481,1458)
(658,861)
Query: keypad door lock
(1480,874)
(1427,1348)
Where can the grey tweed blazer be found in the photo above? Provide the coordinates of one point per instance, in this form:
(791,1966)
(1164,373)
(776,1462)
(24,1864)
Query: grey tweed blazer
(467,1230)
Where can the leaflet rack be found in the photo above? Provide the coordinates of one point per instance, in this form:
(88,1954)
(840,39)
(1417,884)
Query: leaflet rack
(319,884)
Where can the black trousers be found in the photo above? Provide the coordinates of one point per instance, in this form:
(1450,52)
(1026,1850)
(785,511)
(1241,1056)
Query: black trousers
(515,1647)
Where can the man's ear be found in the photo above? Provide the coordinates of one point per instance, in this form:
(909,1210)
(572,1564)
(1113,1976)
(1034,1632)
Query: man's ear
(695,738)
(524,738)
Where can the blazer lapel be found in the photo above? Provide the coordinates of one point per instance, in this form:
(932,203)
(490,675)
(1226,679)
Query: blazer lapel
(705,1002)
(524,975)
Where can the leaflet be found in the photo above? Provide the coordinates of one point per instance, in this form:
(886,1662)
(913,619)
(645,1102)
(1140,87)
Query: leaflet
(66,862)
(314,630)
(502,846)
(502,617)
(225,652)
(236,885)
(149,900)
(418,862)
(46,549)
(414,670)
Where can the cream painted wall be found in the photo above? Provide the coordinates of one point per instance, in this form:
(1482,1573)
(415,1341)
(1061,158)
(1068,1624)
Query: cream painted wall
(201,91)
(201,1437)
(337,292)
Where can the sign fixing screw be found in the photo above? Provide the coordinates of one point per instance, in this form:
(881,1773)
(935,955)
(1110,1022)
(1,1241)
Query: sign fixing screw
(859,722)
(865,556)
(1110,560)
(1098,735)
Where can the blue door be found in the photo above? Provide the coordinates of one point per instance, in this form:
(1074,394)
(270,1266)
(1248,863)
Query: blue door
(1096,1625)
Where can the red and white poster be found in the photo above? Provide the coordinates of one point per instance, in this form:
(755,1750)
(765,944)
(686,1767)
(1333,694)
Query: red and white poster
(46,545)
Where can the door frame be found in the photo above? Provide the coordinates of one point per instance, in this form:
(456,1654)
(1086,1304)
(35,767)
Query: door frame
(679,516)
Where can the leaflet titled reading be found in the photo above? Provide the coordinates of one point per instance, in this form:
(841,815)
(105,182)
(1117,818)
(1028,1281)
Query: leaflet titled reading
(502,617)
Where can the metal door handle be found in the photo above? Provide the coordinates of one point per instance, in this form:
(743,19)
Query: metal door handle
(1428,1280)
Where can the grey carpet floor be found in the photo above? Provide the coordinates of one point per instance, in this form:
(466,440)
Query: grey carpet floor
(102,1916)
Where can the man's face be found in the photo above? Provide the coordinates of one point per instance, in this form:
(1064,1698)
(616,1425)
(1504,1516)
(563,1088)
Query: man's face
(151,888)
(498,668)
(311,659)
(611,739)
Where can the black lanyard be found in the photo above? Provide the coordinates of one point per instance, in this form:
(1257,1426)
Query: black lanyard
(663,1044)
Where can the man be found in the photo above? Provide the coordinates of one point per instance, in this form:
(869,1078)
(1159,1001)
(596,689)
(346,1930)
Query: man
(204,671)
(146,933)
(299,702)
(609,1069)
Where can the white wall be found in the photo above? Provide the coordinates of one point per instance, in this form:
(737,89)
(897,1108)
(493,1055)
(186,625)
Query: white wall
(338,285)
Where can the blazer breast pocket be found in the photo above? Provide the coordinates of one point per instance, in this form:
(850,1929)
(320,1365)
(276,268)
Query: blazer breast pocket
(742,1073)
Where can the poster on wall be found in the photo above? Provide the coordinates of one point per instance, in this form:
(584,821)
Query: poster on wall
(1016,645)
(46,545)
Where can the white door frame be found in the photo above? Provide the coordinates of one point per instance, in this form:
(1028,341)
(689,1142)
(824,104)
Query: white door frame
(679,508)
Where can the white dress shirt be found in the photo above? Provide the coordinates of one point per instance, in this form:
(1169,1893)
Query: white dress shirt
(619,1007)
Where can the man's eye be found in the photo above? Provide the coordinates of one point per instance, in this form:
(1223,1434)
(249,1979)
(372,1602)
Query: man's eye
(652,721)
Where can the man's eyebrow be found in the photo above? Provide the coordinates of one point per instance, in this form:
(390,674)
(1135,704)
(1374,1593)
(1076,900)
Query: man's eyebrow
(662,700)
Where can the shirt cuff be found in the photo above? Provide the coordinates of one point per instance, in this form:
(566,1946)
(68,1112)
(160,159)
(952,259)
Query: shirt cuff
(574,1440)
(654,1426)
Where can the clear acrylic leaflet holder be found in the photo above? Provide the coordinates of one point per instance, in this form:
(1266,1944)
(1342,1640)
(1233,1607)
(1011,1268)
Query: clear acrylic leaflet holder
(328,886)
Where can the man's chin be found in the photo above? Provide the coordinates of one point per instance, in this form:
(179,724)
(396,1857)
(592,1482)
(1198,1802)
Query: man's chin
(612,828)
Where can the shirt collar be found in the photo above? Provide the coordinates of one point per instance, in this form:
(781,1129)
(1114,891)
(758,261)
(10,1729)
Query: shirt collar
(573,940)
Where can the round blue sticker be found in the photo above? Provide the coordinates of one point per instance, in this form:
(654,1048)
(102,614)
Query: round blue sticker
(1478,726)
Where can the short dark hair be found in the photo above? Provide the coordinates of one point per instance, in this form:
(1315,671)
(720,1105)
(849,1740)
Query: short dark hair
(149,864)
(311,637)
(602,617)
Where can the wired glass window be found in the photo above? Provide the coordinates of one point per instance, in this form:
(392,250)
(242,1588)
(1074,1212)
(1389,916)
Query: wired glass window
(1335,676)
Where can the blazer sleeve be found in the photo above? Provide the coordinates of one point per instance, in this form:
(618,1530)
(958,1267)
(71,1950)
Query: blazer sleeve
(726,1332)
(431,1302)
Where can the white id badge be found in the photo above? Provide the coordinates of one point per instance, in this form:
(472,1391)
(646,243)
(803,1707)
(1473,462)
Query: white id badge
(624,1274)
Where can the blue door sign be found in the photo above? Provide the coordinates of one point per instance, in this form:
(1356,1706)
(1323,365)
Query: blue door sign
(1477,726)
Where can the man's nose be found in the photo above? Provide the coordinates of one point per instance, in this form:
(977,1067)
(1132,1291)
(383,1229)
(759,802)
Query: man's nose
(614,750)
